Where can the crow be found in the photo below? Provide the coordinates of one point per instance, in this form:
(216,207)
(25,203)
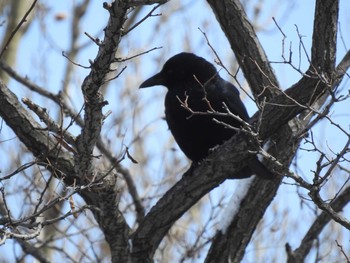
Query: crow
(194,89)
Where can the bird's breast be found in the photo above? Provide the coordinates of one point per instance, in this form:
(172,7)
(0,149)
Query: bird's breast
(193,128)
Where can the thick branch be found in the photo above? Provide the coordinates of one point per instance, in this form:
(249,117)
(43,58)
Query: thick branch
(48,150)
(246,46)
(230,246)
(325,36)
(211,173)
(110,219)
(321,75)
(100,145)
(94,101)
(233,155)
(32,135)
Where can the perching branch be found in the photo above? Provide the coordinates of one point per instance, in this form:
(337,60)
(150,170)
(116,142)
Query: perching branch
(278,112)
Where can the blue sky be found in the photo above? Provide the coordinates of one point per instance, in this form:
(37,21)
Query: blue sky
(44,43)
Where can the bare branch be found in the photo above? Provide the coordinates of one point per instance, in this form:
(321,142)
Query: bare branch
(23,20)
(299,254)
(74,63)
(33,136)
(342,251)
(314,194)
(34,251)
(150,14)
(145,2)
(248,50)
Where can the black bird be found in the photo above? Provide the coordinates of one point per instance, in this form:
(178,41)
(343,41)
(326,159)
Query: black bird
(194,82)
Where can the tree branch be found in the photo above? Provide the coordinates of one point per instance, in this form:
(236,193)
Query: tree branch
(247,48)
(233,155)
(75,115)
(110,219)
(34,251)
(94,101)
(299,254)
(231,245)
(32,135)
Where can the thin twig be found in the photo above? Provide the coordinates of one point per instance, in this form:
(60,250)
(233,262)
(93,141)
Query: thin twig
(74,63)
(342,251)
(143,19)
(23,20)
(137,55)
(222,64)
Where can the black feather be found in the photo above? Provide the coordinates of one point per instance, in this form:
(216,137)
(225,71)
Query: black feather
(194,82)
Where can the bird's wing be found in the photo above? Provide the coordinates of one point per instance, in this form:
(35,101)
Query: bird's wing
(226,92)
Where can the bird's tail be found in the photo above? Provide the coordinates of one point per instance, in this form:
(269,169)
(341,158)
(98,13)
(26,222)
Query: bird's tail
(257,168)
(260,170)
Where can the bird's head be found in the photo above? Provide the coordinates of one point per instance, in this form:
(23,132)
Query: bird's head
(182,68)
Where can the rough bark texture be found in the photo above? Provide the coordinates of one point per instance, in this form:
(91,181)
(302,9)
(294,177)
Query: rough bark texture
(247,48)
(276,123)
(32,135)
(230,246)
(79,169)
(108,216)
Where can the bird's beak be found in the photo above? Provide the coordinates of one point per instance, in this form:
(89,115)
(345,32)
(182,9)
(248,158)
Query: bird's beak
(157,79)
